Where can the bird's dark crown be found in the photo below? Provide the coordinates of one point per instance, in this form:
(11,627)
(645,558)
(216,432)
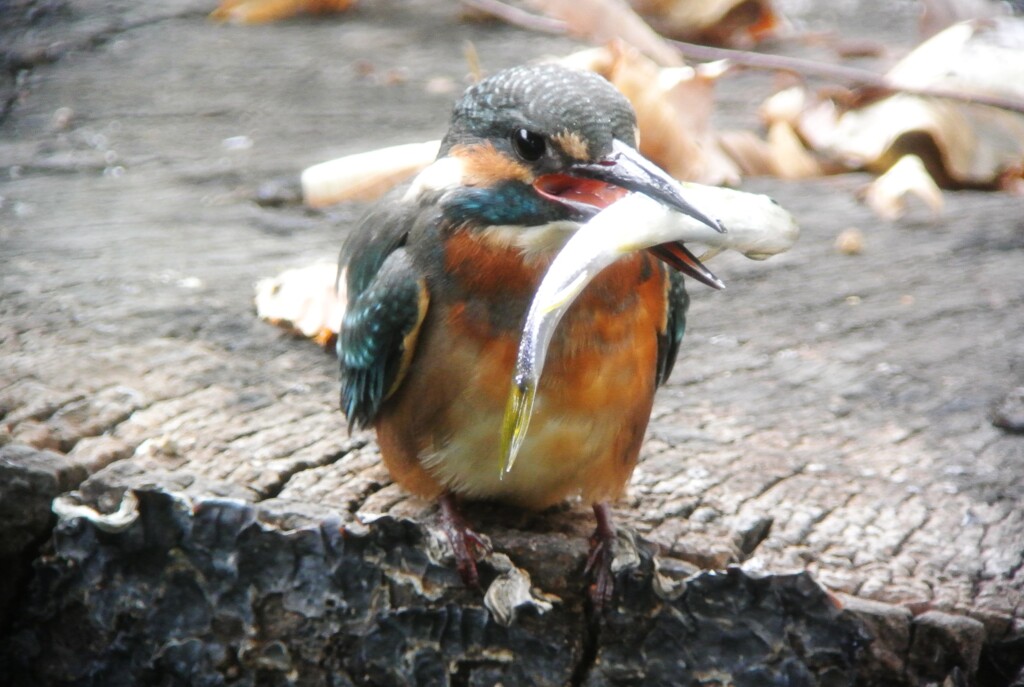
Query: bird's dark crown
(578,114)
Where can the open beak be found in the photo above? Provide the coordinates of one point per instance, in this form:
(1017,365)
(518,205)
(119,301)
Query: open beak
(587,188)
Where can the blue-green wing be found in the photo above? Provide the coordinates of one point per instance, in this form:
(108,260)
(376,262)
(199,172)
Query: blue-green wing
(386,302)
(675,326)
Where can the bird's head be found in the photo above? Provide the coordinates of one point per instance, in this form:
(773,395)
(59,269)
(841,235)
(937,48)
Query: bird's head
(534,151)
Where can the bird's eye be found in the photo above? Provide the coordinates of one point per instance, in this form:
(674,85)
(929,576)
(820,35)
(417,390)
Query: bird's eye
(529,145)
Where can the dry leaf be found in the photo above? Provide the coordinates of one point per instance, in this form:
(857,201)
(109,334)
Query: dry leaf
(749,151)
(303,300)
(1012,180)
(961,144)
(714,22)
(787,105)
(784,154)
(673,107)
(261,11)
(604,21)
(365,176)
(976,56)
(887,194)
(936,15)
(789,158)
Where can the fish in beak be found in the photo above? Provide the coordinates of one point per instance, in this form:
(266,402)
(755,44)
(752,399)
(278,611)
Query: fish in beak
(758,228)
(590,187)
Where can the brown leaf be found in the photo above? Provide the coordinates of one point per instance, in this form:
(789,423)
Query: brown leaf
(750,152)
(937,15)
(960,143)
(262,11)
(782,155)
(711,22)
(887,195)
(604,21)
(1012,180)
(304,301)
(790,159)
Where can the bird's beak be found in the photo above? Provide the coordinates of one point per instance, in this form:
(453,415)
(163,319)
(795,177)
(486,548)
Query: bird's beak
(589,187)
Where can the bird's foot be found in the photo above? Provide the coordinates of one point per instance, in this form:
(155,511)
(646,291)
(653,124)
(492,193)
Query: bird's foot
(601,588)
(467,545)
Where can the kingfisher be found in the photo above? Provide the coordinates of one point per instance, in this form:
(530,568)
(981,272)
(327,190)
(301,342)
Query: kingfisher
(438,279)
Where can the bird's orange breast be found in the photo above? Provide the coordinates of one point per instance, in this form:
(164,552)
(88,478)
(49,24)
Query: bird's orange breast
(490,271)
(441,430)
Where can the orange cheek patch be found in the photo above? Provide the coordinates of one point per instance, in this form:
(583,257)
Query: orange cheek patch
(484,166)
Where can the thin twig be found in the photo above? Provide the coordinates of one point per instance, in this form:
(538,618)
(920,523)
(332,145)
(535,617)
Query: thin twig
(851,76)
(782,63)
(517,17)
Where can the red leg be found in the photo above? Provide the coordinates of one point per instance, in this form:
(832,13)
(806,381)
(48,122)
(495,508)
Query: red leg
(599,561)
(465,542)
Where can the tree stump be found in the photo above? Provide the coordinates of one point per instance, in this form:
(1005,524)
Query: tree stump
(822,498)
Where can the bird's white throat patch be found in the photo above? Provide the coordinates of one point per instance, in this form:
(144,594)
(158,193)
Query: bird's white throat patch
(541,240)
(442,174)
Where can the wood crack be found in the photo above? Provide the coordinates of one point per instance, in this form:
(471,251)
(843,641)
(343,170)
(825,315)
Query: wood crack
(285,476)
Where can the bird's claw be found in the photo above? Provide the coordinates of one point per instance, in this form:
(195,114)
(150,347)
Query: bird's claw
(598,569)
(601,589)
(467,545)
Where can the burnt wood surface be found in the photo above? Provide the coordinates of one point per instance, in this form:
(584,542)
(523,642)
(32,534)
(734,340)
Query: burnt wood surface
(822,498)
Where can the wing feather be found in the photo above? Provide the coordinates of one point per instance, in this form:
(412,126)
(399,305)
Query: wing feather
(670,339)
(387,301)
